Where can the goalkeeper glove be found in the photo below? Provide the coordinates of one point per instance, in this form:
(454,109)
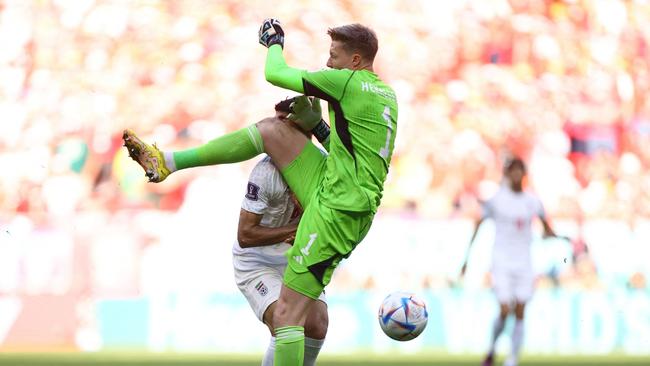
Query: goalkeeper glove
(306,113)
(271,33)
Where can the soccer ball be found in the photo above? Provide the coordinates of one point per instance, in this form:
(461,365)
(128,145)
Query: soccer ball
(403,316)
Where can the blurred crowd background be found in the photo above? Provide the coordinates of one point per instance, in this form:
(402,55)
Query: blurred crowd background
(563,84)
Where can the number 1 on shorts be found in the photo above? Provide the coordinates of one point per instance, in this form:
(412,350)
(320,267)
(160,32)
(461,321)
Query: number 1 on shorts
(305,250)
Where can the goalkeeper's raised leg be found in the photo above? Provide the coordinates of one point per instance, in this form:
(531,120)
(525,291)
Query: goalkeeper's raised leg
(283,137)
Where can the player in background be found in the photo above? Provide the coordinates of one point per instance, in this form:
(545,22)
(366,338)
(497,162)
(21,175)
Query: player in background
(512,209)
(340,193)
(267,225)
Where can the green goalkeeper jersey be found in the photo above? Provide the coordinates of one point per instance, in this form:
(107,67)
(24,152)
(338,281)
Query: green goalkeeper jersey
(363,115)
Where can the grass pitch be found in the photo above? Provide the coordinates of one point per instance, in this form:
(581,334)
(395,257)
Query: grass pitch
(164,359)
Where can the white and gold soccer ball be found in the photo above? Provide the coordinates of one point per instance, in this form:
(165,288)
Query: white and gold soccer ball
(403,316)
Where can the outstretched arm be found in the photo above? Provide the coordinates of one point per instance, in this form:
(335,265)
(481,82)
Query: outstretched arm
(548,230)
(541,213)
(477,224)
(326,84)
(278,73)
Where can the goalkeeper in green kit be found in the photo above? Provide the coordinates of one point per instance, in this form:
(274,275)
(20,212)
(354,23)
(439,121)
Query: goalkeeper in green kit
(339,192)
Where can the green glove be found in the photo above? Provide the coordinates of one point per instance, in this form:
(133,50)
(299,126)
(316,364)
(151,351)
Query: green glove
(306,112)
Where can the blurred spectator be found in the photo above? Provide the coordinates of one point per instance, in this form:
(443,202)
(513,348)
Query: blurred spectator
(582,275)
(637,281)
(564,84)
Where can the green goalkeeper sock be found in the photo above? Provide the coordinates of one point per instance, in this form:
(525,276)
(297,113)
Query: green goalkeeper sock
(289,346)
(234,147)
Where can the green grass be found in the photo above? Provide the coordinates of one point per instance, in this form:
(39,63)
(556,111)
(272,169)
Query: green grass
(164,359)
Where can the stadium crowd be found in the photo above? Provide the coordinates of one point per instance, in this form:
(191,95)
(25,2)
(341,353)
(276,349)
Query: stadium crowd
(563,84)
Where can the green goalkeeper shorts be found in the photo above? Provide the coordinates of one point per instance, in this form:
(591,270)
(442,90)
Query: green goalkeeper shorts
(325,235)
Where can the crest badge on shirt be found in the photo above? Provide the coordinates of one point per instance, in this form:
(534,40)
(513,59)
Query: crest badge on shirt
(261,288)
(252,191)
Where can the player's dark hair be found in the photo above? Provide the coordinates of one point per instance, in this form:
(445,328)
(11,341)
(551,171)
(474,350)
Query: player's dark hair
(356,38)
(285,105)
(515,163)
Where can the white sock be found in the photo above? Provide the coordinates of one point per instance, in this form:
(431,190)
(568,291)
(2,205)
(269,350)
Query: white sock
(499,324)
(517,338)
(270,352)
(169,161)
(312,348)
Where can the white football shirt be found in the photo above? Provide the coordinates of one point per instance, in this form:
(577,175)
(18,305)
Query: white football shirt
(513,214)
(267,194)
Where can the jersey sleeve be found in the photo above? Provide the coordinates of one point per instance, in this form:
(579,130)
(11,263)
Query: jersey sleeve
(487,209)
(326,84)
(539,208)
(261,190)
(278,73)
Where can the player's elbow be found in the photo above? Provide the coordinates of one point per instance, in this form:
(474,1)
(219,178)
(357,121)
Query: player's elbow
(245,239)
(272,76)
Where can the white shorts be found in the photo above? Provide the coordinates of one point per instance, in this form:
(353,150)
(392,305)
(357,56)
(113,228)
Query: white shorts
(260,285)
(512,285)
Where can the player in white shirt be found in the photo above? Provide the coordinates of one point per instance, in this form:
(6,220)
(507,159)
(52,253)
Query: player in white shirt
(512,209)
(267,225)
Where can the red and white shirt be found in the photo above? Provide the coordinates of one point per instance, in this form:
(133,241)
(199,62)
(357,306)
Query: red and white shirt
(513,214)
